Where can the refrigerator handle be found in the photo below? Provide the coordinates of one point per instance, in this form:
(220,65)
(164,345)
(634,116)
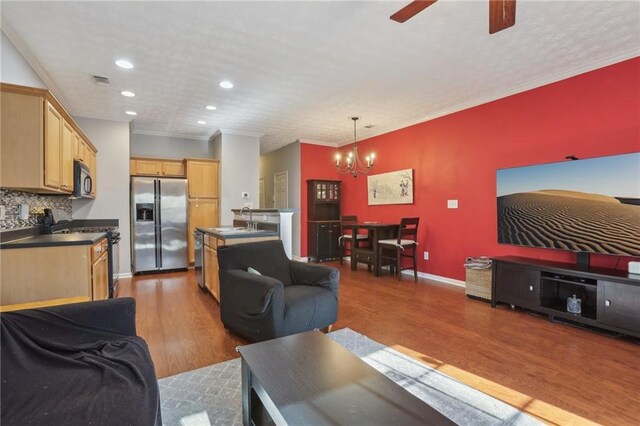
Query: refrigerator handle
(155,220)
(159,215)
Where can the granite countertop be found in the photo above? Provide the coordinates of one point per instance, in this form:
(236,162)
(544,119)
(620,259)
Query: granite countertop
(229,232)
(52,240)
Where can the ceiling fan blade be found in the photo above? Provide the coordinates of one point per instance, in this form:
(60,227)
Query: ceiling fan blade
(410,10)
(502,15)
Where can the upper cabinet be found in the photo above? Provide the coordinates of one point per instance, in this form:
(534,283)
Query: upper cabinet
(203,178)
(39,142)
(156,167)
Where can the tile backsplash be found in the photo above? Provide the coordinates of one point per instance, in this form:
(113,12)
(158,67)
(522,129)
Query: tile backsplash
(11,200)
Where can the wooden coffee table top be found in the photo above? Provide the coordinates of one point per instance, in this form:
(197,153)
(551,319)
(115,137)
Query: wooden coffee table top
(311,379)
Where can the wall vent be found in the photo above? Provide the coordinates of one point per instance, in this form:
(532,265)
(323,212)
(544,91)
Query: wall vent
(102,81)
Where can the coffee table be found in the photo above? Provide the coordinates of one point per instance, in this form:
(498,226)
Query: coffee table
(308,379)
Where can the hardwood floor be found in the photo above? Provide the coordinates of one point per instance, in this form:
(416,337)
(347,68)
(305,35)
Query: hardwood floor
(561,374)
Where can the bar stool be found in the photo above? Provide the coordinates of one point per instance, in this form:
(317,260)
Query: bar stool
(346,236)
(391,252)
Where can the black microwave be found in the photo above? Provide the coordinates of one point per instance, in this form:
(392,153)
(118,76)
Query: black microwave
(82,180)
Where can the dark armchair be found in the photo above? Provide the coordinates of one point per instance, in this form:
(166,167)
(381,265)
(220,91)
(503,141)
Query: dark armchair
(287,298)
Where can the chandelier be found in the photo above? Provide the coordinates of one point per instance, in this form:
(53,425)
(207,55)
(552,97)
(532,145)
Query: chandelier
(353,165)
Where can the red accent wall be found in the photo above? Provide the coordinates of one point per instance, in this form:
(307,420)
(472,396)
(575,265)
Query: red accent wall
(456,157)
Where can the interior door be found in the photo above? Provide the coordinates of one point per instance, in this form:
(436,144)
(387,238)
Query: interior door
(143,240)
(173,223)
(280,190)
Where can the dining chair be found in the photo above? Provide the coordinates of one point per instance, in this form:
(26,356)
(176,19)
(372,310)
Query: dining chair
(391,251)
(346,236)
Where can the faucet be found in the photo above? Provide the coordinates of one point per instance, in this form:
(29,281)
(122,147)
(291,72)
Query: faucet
(250,225)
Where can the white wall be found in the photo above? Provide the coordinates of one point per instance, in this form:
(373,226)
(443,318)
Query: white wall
(169,147)
(14,68)
(284,159)
(111,138)
(240,165)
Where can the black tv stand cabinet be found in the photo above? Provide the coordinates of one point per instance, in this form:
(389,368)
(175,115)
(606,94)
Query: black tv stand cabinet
(610,298)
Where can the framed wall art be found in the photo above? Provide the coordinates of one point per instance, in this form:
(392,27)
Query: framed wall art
(391,188)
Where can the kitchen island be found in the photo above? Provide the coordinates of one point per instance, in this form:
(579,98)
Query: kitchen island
(220,236)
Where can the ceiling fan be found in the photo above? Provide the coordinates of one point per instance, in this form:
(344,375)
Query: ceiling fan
(502,13)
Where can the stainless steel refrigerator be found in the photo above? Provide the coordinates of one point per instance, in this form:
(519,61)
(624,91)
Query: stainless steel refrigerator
(159,224)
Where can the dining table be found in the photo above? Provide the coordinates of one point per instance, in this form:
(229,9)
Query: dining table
(369,254)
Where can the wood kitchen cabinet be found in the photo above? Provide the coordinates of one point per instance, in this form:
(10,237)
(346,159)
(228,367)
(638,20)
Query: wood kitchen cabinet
(202,176)
(211,278)
(39,141)
(67,156)
(203,189)
(53,123)
(100,270)
(65,274)
(156,167)
(202,213)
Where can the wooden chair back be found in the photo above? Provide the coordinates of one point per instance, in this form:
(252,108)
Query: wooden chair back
(347,220)
(408,229)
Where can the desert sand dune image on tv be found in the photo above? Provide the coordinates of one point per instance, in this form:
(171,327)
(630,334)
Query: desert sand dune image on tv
(586,205)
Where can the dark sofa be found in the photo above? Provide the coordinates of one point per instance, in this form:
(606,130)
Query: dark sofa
(76,364)
(288,298)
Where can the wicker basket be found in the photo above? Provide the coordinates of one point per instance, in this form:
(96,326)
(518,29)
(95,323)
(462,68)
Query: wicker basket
(479,283)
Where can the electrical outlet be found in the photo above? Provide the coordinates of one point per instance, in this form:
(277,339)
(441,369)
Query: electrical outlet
(245,195)
(452,204)
(249,205)
(426,255)
(3,212)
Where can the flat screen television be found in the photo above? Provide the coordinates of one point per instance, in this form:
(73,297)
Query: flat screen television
(586,206)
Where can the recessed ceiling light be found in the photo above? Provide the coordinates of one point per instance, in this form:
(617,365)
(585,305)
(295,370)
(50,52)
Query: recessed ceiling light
(202,122)
(123,63)
(226,84)
(210,107)
(131,113)
(128,94)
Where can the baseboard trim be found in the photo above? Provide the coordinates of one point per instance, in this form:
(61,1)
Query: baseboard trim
(438,278)
(432,277)
(125,275)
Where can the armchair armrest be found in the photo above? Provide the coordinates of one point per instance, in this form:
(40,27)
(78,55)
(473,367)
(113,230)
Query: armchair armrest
(316,275)
(251,305)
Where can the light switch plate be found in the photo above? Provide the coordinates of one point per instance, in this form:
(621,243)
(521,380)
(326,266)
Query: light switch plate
(452,204)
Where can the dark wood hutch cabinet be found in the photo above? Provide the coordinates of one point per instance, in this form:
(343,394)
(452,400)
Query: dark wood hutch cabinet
(323,219)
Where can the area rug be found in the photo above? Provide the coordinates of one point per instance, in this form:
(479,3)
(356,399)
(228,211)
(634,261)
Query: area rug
(212,395)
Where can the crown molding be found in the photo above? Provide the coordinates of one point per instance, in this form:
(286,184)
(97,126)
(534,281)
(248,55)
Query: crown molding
(322,143)
(135,131)
(27,54)
(240,133)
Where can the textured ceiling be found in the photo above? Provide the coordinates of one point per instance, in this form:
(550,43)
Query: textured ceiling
(300,69)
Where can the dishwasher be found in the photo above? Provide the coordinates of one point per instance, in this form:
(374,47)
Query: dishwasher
(198,260)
